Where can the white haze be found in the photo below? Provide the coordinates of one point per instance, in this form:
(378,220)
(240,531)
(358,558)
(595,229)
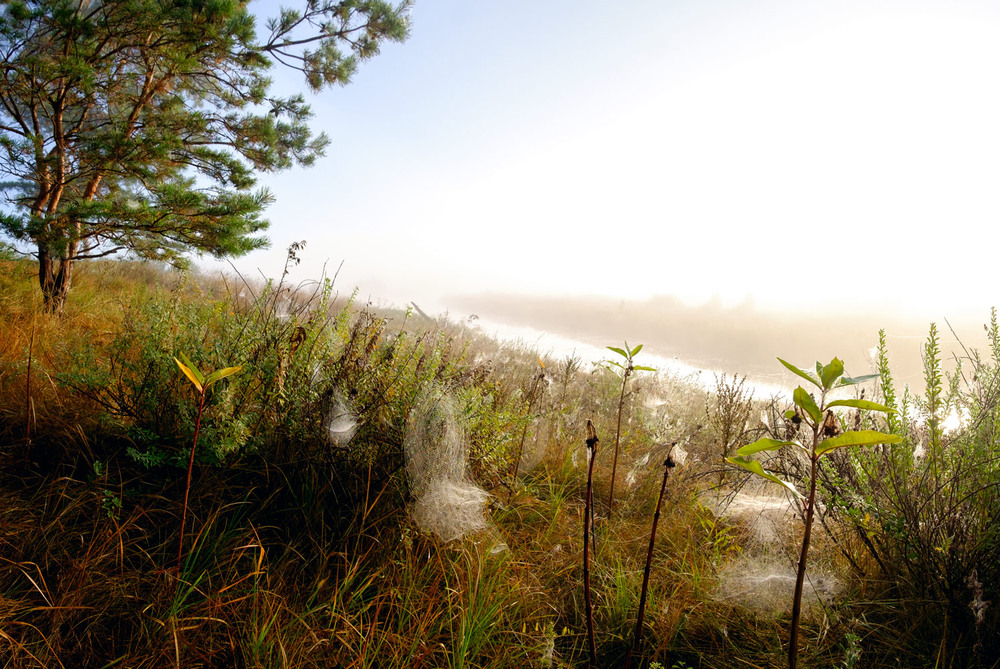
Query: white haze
(786,152)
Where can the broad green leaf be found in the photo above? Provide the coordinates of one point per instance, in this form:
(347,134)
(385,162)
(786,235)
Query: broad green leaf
(618,351)
(804,374)
(831,373)
(758,469)
(854,380)
(221,374)
(643,368)
(790,414)
(861,404)
(188,372)
(193,367)
(859,438)
(763,444)
(636,350)
(808,404)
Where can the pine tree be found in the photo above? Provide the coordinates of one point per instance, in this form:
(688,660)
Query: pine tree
(141,125)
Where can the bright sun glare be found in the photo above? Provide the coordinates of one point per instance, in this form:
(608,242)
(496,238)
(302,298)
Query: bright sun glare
(777,151)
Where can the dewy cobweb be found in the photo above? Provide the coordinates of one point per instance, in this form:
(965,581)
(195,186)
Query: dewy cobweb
(341,423)
(446,501)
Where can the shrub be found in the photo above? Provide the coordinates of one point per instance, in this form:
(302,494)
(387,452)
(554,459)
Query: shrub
(923,514)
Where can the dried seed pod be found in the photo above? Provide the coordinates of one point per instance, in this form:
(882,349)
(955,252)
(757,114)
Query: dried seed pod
(830,427)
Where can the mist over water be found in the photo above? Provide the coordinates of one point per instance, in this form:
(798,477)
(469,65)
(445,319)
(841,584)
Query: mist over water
(592,350)
(713,338)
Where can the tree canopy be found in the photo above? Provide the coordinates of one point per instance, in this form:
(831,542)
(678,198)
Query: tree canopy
(141,125)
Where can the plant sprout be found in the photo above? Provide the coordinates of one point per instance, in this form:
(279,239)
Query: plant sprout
(625,370)
(201,383)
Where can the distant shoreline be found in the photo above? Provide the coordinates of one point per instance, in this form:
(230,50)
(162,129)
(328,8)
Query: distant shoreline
(739,340)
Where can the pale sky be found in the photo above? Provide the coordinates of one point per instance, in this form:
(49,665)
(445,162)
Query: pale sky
(779,151)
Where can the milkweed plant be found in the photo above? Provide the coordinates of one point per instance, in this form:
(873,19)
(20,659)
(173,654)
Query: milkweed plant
(820,435)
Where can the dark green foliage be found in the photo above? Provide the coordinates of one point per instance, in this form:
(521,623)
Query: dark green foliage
(140,125)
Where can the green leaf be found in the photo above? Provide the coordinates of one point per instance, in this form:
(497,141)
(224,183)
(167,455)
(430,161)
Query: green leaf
(861,404)
(763,444)
(193,367)
(635,350)
(221,374)
(854,380)
(831,373)
(859,438)
(618,351)
(758,469)
(808,404)
(188,372)
(804,374)
(643,368)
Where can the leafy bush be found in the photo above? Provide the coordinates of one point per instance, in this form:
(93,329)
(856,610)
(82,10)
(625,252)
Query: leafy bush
(322,380)
(923,514)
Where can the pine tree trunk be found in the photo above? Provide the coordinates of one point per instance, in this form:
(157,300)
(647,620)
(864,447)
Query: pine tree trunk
(54,282)
(46,277)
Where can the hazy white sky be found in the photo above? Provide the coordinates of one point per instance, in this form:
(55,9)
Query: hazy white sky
(783,151)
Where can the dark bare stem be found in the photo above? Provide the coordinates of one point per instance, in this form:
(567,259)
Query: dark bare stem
(618,434)
(668,464)
(187,486)
(588,500)
(793,641)
(593,525)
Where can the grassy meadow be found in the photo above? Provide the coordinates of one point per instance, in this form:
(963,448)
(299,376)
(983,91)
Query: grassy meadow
(299,548)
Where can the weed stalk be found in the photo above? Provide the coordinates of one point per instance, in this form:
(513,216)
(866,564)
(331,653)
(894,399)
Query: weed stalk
(793,639)
(668,464)
(588,503)
(618,433)
(627,368)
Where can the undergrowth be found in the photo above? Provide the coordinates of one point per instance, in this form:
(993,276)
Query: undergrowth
(301,551)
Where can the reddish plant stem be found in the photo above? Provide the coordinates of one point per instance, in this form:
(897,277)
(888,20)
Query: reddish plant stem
(668,464)
(793,641)
(588,501)
(187,486)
